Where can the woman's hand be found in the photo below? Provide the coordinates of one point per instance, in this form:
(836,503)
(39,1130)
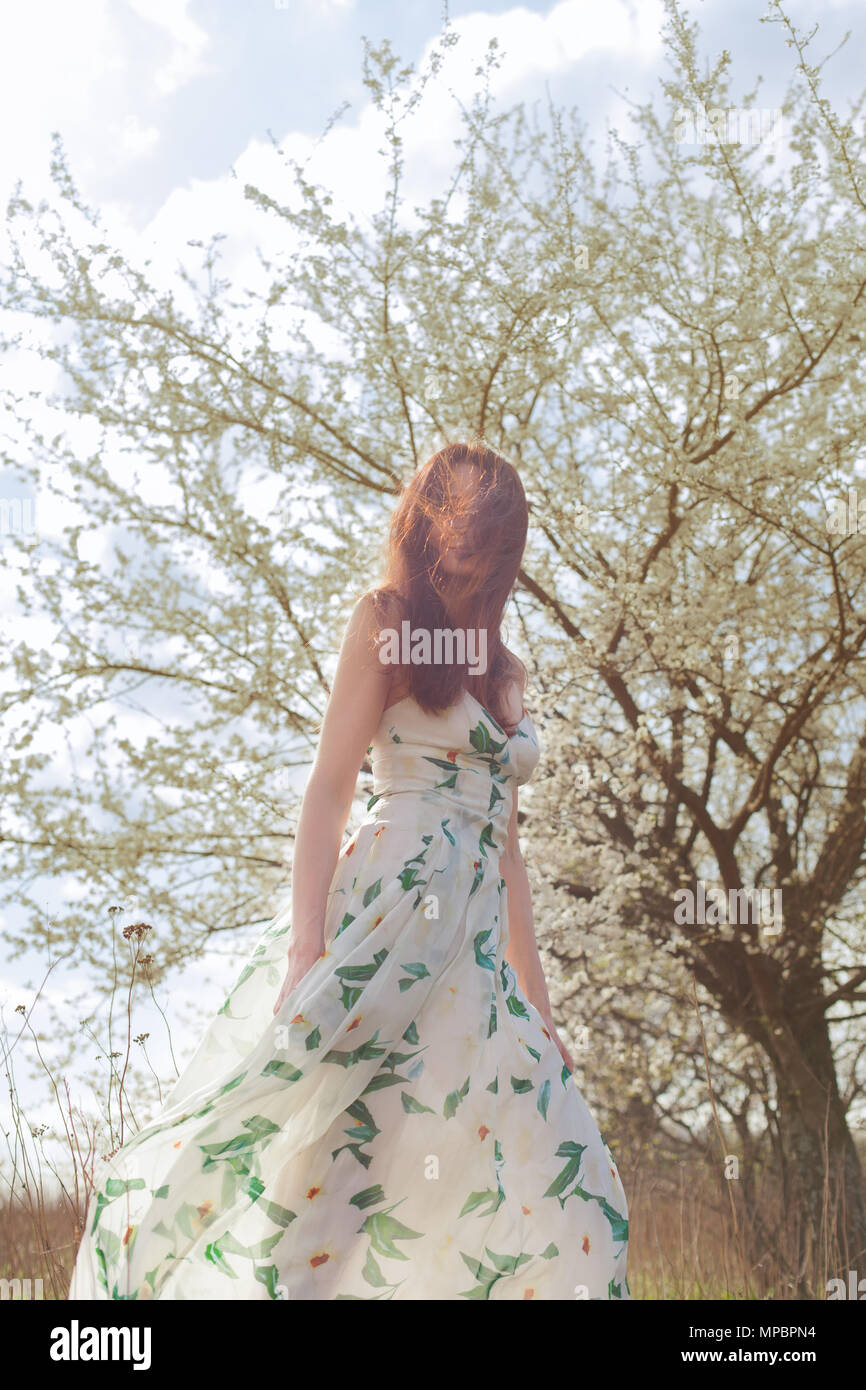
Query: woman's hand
(301,961)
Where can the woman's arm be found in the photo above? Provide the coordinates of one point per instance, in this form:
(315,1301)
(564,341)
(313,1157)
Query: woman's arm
(357,699)
(522,949)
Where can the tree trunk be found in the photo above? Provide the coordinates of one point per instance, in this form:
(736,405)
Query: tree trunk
(822,1179)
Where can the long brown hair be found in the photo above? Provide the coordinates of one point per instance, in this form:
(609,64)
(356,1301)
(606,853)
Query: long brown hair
(493,517)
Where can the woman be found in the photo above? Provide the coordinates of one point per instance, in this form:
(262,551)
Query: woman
(402,1122)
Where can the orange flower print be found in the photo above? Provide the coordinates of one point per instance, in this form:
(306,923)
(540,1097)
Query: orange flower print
(528,1293)
(483,1132)
(178,1144)
(127,1234)
(349,847)
(313,1192)
(585,1246)
(319,1260)
(377,921)
(204,1208)
(354,1023)
(377,833)
(546,1034)
(525,1210)
(299,1018)
(451,755)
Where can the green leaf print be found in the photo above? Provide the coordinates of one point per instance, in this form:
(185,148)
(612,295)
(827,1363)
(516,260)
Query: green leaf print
(573,1152)
(186,1215)
(216,1257)
(114,1187)
(486,959)
(361,972)
(492,1200)
(368,1197)
(237,1151)
(384,1229)
(453,1099)
(397,1059)
(363,1131)
(372,892)
(446,832)
(230,1085)
(314,1039)
(410,877)
(346,922)
(281,1216)
(372,1273)
(486,840)
(480,738)
(507,1264)
(383,1079)
(519,1084)
(516,1006)
(550,1252)
(365,1127)
(411,1034)
(269,1276)
(110,1243)
(284,1070)
(413,1106)
(618,1223)
(363,1053)
(448,783)
(544,1099)
(417,970)
(503,1265)
(117,1188)
(491,1029)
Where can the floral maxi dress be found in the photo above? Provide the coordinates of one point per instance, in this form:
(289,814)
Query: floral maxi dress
(404,1127)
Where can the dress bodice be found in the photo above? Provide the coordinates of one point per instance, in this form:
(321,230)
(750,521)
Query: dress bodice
(459,764)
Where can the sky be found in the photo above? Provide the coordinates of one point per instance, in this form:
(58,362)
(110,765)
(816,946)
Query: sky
(158,101)
(167,108)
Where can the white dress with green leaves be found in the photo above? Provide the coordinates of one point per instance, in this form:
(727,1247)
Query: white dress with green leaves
(404,1127)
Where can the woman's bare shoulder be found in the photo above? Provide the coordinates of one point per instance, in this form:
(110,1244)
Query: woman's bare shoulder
(385,606)
(380,610)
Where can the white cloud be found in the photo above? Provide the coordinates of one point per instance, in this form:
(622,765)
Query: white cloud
(188,40)
(137,139)
(68,67)
(348,163)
